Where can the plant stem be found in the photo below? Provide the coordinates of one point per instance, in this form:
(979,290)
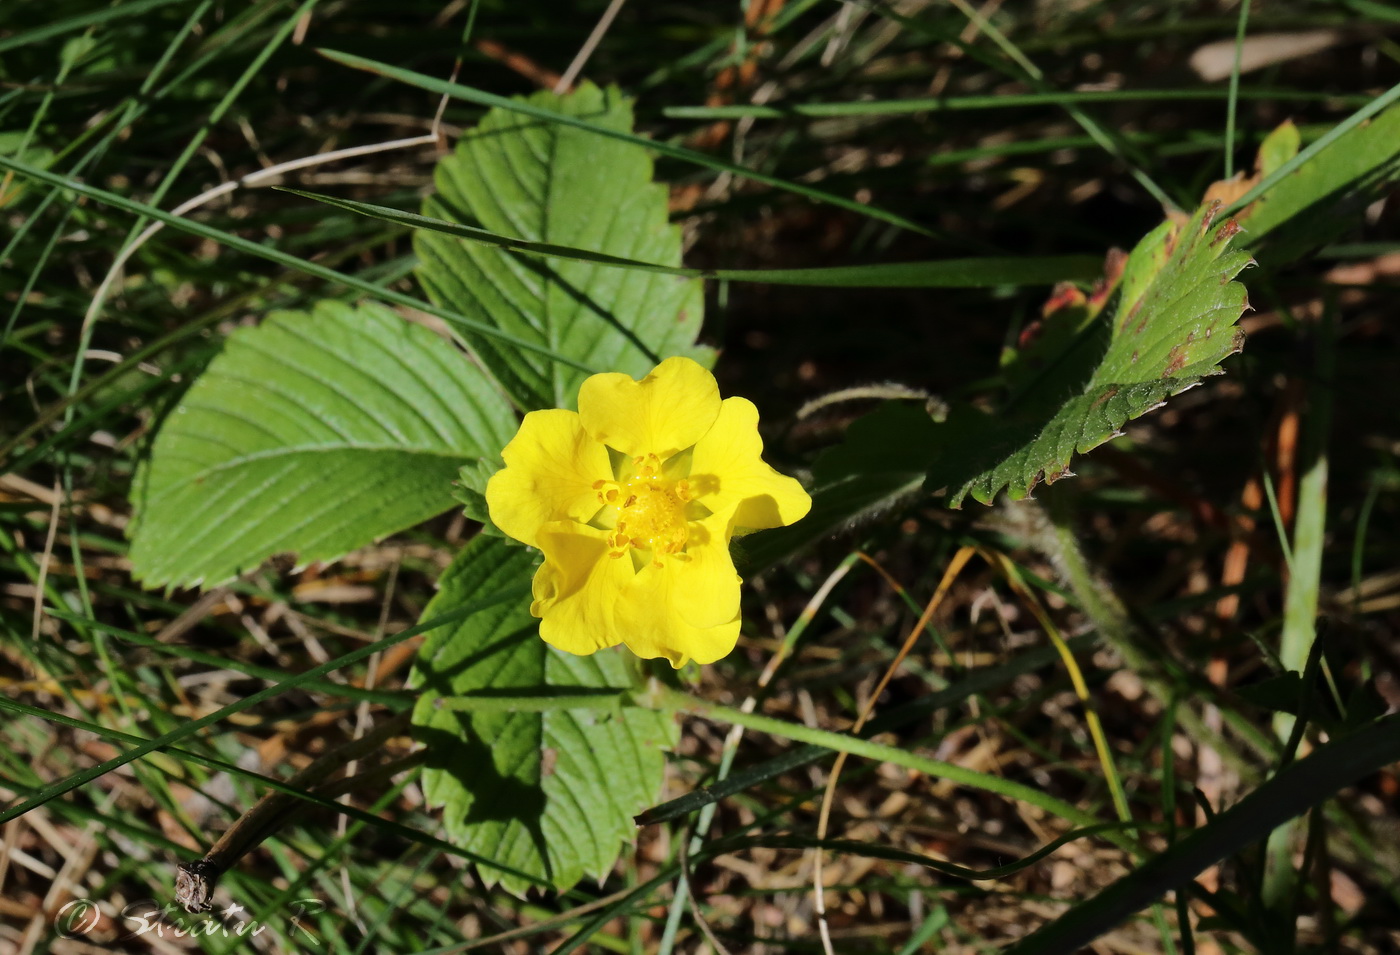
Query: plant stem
(195,882)
(1116,628)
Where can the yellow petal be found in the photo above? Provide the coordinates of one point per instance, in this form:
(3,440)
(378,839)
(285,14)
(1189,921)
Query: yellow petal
(666,412)
(551,465)
(728,471)
(651,626)
(577,588)
(704,587)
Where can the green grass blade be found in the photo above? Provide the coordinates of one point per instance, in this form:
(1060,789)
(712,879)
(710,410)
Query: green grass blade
(191,327)
(1351,122)
(1297,642)
(875,850)
(482,98)
(1234,92)
(937,273)
(275,255)
(389,698)
(173,173)
(856,746)
(1292,792)
(1031,74)
(978,681)
(939,104)
(82,778)
(74,24)
(233,769)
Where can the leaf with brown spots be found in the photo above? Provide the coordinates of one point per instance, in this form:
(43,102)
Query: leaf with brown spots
(1163,317)
(1166,323)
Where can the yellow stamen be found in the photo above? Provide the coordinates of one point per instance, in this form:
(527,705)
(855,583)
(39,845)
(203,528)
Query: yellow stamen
(652,515)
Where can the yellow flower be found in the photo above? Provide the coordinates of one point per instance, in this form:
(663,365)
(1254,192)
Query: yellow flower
(633,500)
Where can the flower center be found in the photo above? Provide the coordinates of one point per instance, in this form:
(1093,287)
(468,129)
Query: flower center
(651,511)
(652,515)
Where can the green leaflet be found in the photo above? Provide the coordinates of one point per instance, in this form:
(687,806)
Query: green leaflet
(548,792)
(557,184)
(1149,334)
(1170,323)
(314,433)
(1167,322)
(16,144)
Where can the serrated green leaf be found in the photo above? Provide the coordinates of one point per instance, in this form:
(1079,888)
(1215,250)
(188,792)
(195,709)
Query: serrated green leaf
(469,490)
(314,433)
(1169,323)
(1164,320)
(549,793)
(557,184)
